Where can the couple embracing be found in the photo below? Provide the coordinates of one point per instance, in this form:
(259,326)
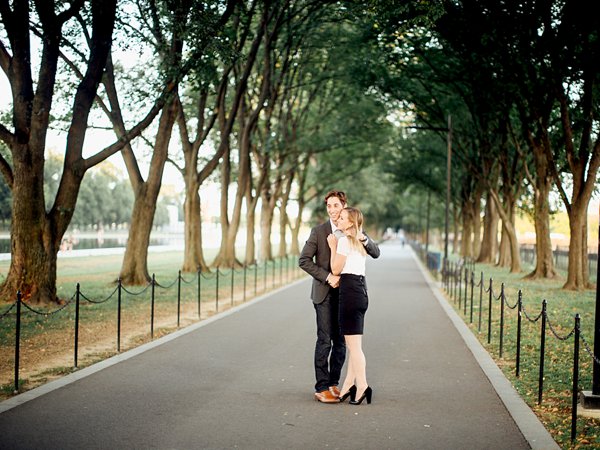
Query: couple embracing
(335,255)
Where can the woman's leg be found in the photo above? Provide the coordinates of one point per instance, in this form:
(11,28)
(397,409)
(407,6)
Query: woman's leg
(349,381)
(358,363)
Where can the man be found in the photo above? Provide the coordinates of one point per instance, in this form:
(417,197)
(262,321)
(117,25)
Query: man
(330,349)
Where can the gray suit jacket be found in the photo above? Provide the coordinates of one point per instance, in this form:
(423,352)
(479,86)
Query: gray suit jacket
(315,259)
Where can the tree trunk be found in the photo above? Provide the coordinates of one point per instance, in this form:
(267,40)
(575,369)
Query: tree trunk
(224,207)
(455,228)
(193,255)
(466,247)
(576,275)
(135,269)
(36,234)
(509,233)
(250,230)
(504,249)
(477,222)
(544,265)
(283,217)
(33,245)
(489,243)
(266,223)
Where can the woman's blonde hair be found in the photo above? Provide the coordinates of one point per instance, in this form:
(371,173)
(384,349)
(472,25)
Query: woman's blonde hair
(355,217)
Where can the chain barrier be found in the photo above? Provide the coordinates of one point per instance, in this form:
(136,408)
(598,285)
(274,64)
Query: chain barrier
(499,296)
(183,280)
(529,318)
(46,314)
(522,312)
(124,289)
(508,304)
(207,277)
(119,288)
(555,333)
(5,313)
(588,348)
(98,302)
(163,287)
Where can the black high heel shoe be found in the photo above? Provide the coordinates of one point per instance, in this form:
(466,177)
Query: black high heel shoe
(368,394)
(351,393)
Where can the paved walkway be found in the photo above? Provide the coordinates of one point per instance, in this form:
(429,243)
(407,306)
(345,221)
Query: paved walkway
(244,380)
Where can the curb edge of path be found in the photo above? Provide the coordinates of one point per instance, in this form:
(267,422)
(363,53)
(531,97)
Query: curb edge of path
(534,432)
(20,399)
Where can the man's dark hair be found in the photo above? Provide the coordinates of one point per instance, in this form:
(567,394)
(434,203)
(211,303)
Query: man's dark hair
(341,195)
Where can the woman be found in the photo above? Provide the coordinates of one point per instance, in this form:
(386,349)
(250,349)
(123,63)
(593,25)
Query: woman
(348,257)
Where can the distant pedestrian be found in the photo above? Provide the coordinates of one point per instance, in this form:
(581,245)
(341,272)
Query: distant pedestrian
(315,259)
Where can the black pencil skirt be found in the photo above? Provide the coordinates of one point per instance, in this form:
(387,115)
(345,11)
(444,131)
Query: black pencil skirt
(353,303)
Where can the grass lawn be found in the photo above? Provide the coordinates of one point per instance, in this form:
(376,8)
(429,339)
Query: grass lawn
(555,408)
(47,338)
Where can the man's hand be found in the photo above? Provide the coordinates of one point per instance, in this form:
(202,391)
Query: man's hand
(333,280)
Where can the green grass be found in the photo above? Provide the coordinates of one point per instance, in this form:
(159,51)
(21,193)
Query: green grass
(555,408)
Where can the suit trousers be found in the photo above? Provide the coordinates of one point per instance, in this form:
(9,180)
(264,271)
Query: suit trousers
(330,349)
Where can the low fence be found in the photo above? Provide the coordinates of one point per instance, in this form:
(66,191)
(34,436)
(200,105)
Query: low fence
(217,286)
(464,288)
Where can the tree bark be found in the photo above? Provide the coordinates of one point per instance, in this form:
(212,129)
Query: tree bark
(193,255)
(578,273)
(508,226)
(36,234)
(489,243)
(283,217)
(134,270)
(477,221)
(544,265)
(467,232)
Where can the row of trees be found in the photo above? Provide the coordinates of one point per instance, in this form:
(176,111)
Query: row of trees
(520,81)
(262,95)
(284,99)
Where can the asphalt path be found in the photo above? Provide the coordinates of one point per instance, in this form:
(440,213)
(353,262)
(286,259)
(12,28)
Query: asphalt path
(245,379)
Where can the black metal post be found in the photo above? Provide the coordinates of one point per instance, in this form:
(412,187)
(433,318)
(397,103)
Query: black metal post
(596,365)
(178,297)
(575,393)
(17,342)
(76,350)
(232,283)
(265,280)
(490,313)
(542,351)
(459,288)
(199,291)
(119,316)
(472,288)
(427,221)
(519,314)
(466,289)
(245,271)
(217,292)
(152,288)
(502,302)
(480,300)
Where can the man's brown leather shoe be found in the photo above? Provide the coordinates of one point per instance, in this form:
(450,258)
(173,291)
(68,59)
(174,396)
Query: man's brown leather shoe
(326,397)
(334,391)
